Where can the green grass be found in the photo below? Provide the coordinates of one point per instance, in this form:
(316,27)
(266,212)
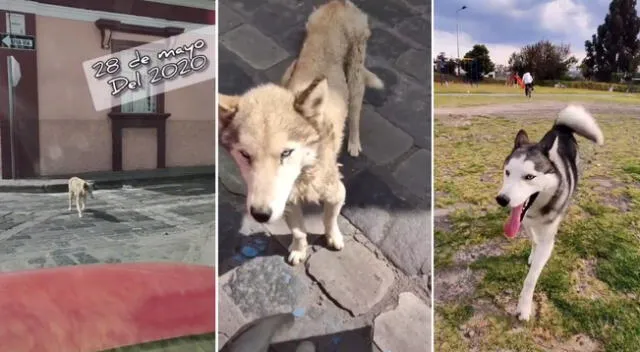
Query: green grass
(540,94)
(595,235)
(501,88)
(198,343)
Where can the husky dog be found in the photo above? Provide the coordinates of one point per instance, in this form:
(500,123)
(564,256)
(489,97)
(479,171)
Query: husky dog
(539,181)
(286,139)
(78,191)
(257,336)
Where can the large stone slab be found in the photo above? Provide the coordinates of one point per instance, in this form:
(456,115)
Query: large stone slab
(229,174)
(406,328)
(258,50)
(409,107)
(408,241)
(418,29)
(265,18)
(391,12)
(381,141)
(230,318)
(353,277)
(227,19)
(385,44)
(414,62)
(265,286)
(371,205)
(413,173)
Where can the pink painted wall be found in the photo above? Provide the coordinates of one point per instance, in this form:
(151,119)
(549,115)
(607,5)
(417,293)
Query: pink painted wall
(75,138)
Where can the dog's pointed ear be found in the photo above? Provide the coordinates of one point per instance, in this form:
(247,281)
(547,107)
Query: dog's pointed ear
(310,101)
(227,109)
(521,139)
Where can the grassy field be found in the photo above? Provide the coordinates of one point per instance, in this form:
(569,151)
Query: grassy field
(539,94)
(588,296)
(200,343)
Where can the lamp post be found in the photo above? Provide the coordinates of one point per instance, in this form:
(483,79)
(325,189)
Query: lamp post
(457,36)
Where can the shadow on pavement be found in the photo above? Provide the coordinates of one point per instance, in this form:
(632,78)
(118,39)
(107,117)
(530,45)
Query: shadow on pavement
(259,334)
(99,214)
(348,340)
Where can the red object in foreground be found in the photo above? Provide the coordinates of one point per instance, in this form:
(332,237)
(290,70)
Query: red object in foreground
(96,307)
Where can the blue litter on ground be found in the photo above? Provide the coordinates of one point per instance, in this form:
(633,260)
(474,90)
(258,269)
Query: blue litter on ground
(336,340)
(298,312)
(249,252)
(261,246)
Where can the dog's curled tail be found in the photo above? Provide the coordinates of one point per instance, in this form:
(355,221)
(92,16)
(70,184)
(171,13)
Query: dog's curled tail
(371,80)
(580,121)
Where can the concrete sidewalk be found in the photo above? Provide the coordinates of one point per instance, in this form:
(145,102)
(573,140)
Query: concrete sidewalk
(107,180)
(375,293)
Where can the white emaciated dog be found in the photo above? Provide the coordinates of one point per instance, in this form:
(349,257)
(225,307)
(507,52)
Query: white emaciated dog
(286,139)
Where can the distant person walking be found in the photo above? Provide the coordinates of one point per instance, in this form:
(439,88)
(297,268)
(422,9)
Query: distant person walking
(527,79)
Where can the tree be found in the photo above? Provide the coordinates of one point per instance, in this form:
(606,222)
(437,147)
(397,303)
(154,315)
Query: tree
(588,63)
(444,65)
(482,63)
(544,60)
(615,47)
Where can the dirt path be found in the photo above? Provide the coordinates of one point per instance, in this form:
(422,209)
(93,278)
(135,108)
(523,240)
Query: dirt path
(540,109)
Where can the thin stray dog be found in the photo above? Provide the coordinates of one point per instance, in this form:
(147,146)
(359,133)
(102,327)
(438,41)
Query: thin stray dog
(286,139)
(539,182)
(78,191)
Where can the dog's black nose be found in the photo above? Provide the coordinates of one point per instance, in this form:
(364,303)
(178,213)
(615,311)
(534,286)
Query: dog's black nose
(502,200)
(261,215)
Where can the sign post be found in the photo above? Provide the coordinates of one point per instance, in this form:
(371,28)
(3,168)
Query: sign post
(17,41)
(14,74)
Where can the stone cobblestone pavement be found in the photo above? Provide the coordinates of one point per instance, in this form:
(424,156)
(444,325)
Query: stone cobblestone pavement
(374,294)
(162,222)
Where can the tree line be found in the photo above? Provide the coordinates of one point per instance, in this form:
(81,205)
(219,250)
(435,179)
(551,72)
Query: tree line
(612,53)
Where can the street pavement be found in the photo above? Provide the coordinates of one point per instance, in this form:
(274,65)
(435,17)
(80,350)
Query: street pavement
(375,293)
(161,222)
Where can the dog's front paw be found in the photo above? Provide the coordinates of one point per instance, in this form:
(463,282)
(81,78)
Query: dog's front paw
(523,312)
(79,215)
(530,260)
(335,241)
(354,148)
(296,257)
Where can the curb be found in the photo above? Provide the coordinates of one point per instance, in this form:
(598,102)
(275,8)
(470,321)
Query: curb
(108,180)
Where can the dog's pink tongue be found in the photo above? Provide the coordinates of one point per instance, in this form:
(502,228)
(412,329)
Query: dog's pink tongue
(512,225)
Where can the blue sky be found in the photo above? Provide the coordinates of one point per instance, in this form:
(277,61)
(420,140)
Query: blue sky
(506,25)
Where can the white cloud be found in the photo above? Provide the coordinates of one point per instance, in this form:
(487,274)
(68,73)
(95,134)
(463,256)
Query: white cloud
(567,18)
(510,8)
(446,42)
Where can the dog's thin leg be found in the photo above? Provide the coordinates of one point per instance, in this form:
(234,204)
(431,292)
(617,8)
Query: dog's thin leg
(295,220)
(84,201)
(284,81)
(534,242)
(356,84)
(78,206)
(332,209)
(540,258)
(70,200)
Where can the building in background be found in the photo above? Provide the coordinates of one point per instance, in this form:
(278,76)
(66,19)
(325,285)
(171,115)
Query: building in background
(55,130)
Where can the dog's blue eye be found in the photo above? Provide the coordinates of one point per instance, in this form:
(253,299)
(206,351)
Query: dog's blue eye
(529,177)
(286,153)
